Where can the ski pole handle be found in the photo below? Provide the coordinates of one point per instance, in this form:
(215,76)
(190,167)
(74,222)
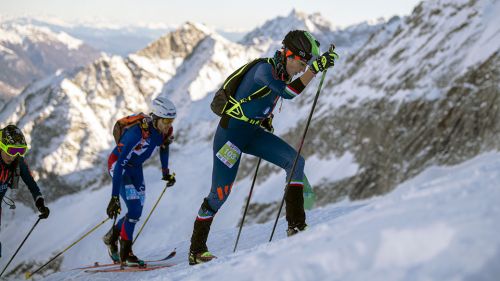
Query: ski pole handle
(332,48)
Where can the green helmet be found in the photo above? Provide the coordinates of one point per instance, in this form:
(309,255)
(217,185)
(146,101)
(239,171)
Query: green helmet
(302,44)
(12,135)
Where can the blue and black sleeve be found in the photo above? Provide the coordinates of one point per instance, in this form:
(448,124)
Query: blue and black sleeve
(25,174)
(264,77)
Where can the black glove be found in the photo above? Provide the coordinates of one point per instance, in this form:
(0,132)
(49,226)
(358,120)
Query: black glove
(170,179)
(114,208)
(324,61)
(40,205)
(268,124)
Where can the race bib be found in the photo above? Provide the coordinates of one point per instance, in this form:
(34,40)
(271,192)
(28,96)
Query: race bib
(229,154)
(132,194)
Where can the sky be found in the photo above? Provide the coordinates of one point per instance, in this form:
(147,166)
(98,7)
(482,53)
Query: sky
(222,14)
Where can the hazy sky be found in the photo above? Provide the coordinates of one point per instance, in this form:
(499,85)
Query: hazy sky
(223,14)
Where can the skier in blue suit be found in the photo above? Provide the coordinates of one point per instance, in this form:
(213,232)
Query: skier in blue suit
(136,145)
(244,131)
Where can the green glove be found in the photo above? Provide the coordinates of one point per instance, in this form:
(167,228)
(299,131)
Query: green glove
(323,62)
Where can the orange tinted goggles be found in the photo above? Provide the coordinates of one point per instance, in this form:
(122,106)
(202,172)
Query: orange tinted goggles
(295,57)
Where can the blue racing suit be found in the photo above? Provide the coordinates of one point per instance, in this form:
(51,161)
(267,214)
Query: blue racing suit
(125,167)
(234,137)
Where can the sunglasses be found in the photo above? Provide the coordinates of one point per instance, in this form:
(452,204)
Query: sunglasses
(166,121)
(14,150)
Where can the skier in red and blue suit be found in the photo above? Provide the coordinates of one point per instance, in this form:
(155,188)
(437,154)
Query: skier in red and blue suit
(135,146)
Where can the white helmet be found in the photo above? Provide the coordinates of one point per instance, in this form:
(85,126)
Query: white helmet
(163,108)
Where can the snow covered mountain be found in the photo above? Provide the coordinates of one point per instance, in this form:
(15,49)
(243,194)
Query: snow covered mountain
(272,32)
(275,29)
(423,90)
(74,111)
(112,39)
(406,81)
(28,53)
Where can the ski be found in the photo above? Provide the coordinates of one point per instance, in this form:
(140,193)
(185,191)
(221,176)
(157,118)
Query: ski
(99,265)
(146,267)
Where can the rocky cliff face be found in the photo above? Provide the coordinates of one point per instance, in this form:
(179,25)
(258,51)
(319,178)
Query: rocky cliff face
(417,94)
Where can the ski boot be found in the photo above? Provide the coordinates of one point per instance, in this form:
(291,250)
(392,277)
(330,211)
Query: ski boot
(292,230)
(295,214)
(198,251)
(200,257)
(127,257)
(110,239)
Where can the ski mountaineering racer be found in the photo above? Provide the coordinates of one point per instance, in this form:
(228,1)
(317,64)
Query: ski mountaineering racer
(135,144)
(246,127)
(13,165)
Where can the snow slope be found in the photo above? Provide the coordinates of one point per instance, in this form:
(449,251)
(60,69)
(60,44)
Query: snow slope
(440,225)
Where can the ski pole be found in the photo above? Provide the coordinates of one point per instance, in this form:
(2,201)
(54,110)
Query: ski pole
(332,47)
(246,207)
(147,218)
(18,248)
(30,274)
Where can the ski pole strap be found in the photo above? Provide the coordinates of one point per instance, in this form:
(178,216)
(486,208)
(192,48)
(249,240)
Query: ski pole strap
(9,202)
(18,248)
(147,218)
(30,274)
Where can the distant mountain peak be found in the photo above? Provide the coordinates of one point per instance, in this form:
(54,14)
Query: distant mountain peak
(178,43)
(275,29)
(297,14)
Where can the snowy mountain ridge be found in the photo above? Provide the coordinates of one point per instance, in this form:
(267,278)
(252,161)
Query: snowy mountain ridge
(93,97)
(273,31)
(112,38)
(29,52)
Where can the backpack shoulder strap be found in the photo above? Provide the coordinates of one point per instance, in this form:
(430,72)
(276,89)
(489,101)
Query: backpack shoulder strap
(233,81)
(264,91)
(145,125)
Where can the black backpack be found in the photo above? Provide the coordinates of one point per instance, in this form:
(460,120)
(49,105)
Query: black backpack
(225,95)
